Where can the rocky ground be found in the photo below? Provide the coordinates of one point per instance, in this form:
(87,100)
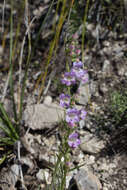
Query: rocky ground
(103,149)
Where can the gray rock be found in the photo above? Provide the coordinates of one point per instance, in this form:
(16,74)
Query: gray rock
(106,68)
(83,95)
(103,87)
(27,161)
(103,167)
(28,141)
(106,43)
(121,68)
(43,175)
(94,88)
(117,48)
(90,27)
(14,173)
(107,50)
(92,146)
(40,116)
(85,180)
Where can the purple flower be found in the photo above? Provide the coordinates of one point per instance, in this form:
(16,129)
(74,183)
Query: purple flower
(78,64)
(82,114)
(69,78)
(64,100)
(79,73)
(72,116)
(84,78)
(73,141)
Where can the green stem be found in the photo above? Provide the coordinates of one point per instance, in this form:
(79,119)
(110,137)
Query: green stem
(11,64)
(84,28)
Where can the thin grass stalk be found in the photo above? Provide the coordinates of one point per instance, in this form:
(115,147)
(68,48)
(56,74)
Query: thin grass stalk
(53,46)
(65,155)
(56,12)
(15,45)
(4,39)
(56,170)
(61,20)
(26,71)
(18,29)
(70,10)
(53,29)
(3,14)
(42,25)
(84,28)
(11,64)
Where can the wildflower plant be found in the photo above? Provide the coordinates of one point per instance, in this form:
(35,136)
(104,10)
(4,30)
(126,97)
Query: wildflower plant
(73,116)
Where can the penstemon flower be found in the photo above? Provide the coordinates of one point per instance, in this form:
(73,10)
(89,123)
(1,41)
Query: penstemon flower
(82,114)
(64,100)
(73,140)
(79,73)
(84,78)
(72,116)
(77,64)
(69,78)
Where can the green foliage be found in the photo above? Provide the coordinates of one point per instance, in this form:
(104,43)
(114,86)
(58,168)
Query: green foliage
(114,115)
(119,105)
(7,126)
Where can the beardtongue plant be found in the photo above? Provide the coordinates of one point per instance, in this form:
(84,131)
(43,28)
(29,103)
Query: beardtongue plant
(73,116)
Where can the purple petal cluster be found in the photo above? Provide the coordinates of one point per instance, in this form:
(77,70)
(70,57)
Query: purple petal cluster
(79,72)
(76,73)
(64,100)
(83,114)
(69,78)
(72,116)
(77,64)
(73,140)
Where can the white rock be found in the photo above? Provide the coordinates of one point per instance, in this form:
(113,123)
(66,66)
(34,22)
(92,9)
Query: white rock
(104,167)
(106,43)
(90,27)
(41,116)
(81,124)
(105,188)
(47,100)
(92,159)
(43,175)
